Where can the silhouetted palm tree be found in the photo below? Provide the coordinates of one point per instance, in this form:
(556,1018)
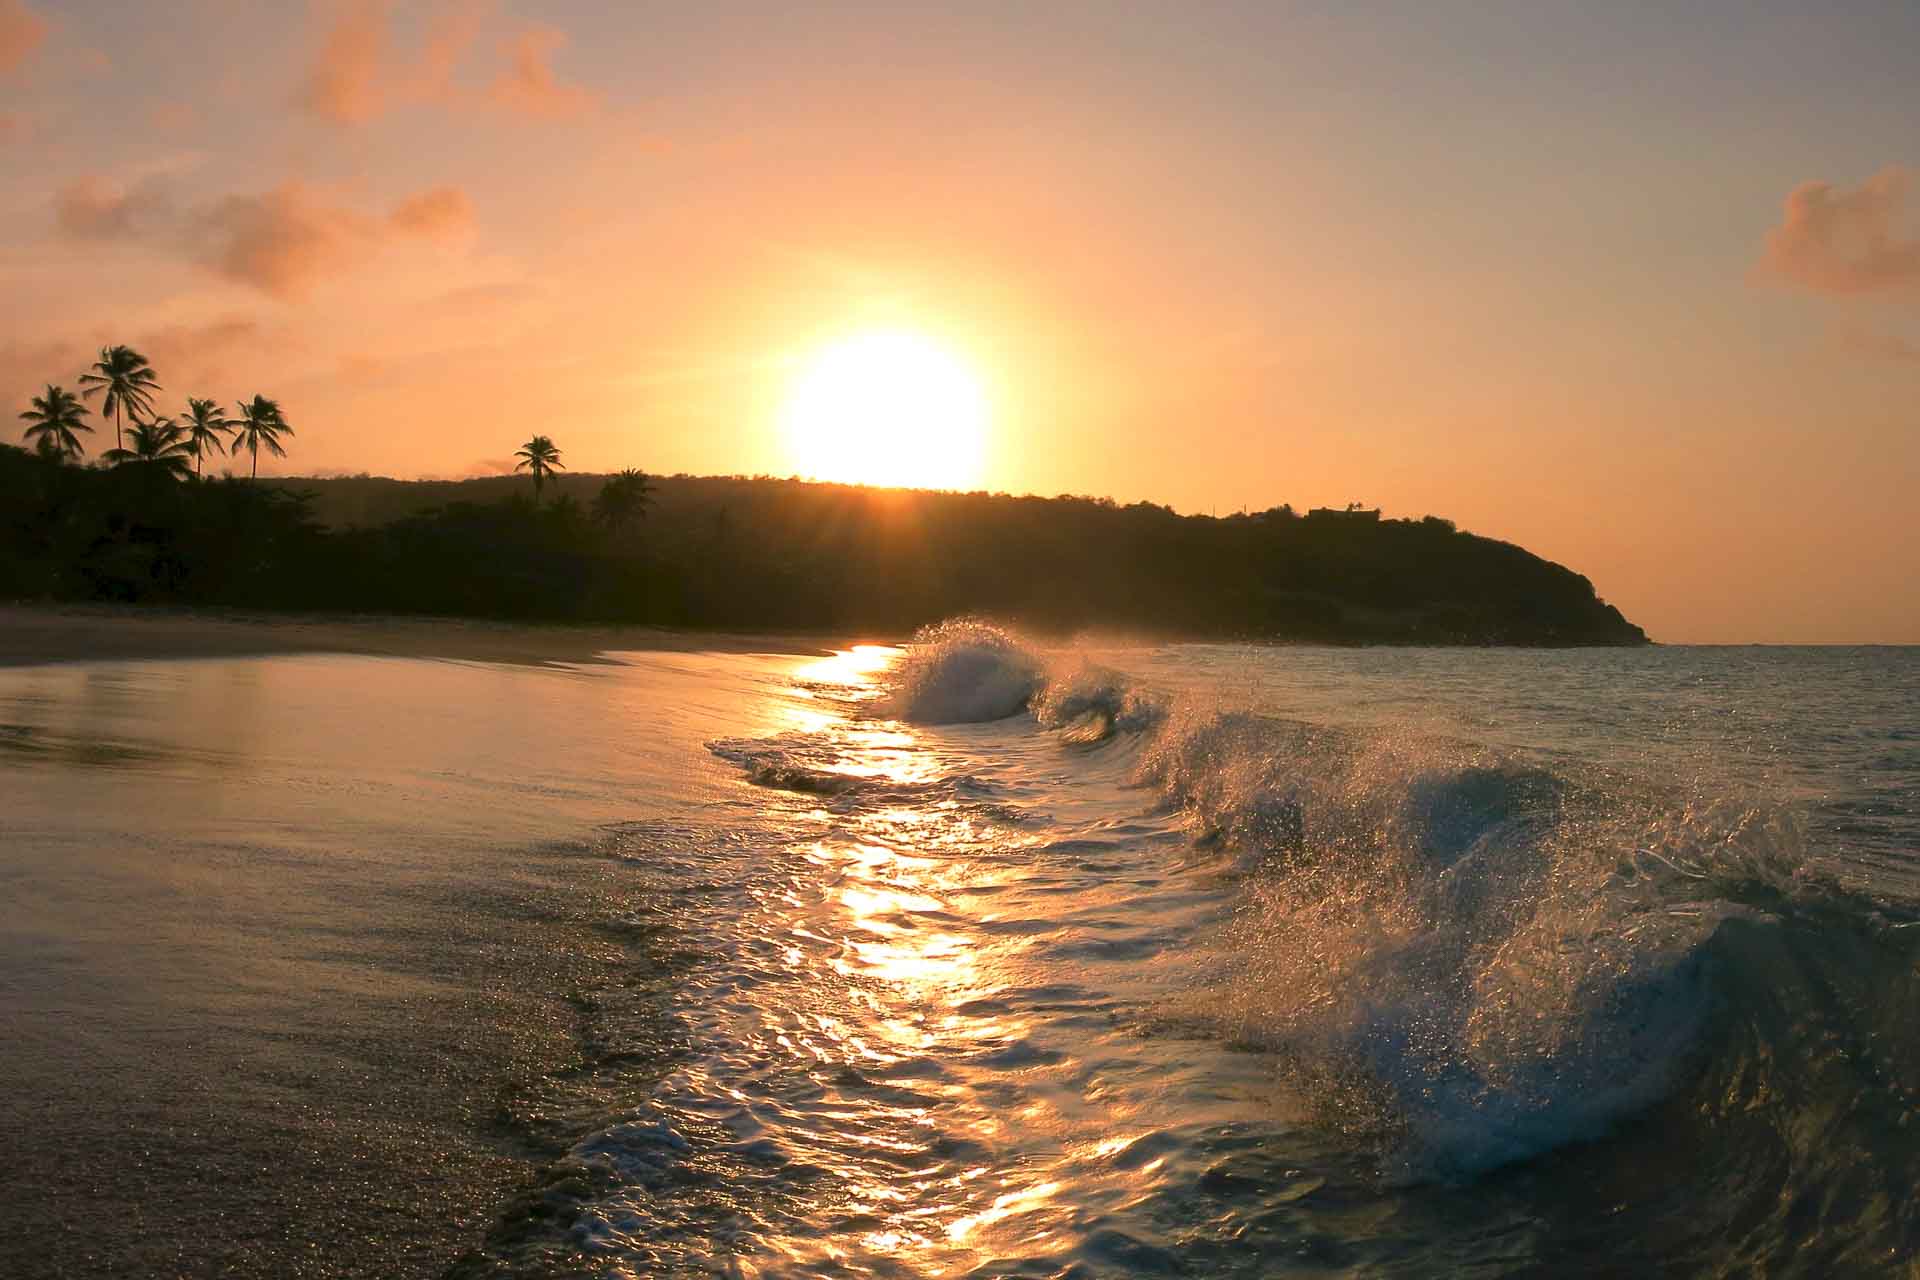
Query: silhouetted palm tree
(542,459)
(54,420)
(623,498)
(160,448)
(261,423)
(129,382)
(206,428)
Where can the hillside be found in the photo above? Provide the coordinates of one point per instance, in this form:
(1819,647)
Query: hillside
(761,554)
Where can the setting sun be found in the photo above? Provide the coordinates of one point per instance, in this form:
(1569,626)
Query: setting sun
(887,409)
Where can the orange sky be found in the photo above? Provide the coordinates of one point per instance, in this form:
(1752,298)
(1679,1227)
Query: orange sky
(1639,293)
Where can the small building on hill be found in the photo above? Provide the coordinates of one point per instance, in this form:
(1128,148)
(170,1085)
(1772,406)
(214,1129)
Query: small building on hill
(1354,512)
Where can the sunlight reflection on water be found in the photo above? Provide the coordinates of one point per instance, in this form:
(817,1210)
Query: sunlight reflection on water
(899,1054)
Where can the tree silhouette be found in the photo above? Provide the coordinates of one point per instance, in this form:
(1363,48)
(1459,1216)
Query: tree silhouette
(160,448)
(206,427)
(541,458)
(54,420)
(128,381)
(261,423)
(623,498)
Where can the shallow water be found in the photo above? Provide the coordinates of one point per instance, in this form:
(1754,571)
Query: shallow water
(989,960)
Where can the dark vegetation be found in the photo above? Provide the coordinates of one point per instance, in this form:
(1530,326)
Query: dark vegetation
(767,554)
(758,554)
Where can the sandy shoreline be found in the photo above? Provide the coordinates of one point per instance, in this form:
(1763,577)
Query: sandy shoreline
(35,634)
(356,1097)
(295,981)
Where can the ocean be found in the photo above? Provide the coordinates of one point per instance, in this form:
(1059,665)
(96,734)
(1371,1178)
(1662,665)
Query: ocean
(970,958)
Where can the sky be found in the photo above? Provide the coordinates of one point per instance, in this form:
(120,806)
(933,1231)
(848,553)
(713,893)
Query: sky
(1634,285)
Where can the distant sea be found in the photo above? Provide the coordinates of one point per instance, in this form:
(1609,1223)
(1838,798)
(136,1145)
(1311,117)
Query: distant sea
(972,958)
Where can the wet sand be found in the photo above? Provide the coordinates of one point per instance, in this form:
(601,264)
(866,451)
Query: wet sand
(31,634)
(352,1104)
(263,1017)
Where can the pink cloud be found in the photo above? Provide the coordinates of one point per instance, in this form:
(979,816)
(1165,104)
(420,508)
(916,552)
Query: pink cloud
(13,126)
(97,208)
(443,213)
(282,241)
(529,86)
(1845,243)
(343,85)
(285,240)
(21,32)
(354,81)
(449,36)
(91,206)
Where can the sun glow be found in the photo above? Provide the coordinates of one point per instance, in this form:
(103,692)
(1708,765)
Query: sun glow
(887,409)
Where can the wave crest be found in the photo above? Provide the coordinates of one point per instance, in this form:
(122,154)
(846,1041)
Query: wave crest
(1092,702)
(1474,958)
(963,671)
(1463,957)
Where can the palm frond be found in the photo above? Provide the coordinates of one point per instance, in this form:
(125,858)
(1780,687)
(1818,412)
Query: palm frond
(55,421)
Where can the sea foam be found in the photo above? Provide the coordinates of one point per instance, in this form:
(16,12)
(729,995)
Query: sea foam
(1470,957)
(963,671)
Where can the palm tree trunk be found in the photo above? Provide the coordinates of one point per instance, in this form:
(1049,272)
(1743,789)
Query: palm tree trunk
(254,449)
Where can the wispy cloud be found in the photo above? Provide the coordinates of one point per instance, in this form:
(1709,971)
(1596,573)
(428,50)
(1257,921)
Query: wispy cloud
(450,34)
(287,240)
(443,213)
(283,241)
(529,85)
(93,207)
(343,84)
(355,76)
(21,32)
(1846,243)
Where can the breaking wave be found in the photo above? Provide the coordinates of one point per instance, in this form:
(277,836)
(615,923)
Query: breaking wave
(964,672)
(1119,978)
(1461,958)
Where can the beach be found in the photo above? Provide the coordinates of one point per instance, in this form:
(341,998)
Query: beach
(286,985)
(979,957)
(339,1100)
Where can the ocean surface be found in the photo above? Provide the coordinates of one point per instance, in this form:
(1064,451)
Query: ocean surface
(978,958)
